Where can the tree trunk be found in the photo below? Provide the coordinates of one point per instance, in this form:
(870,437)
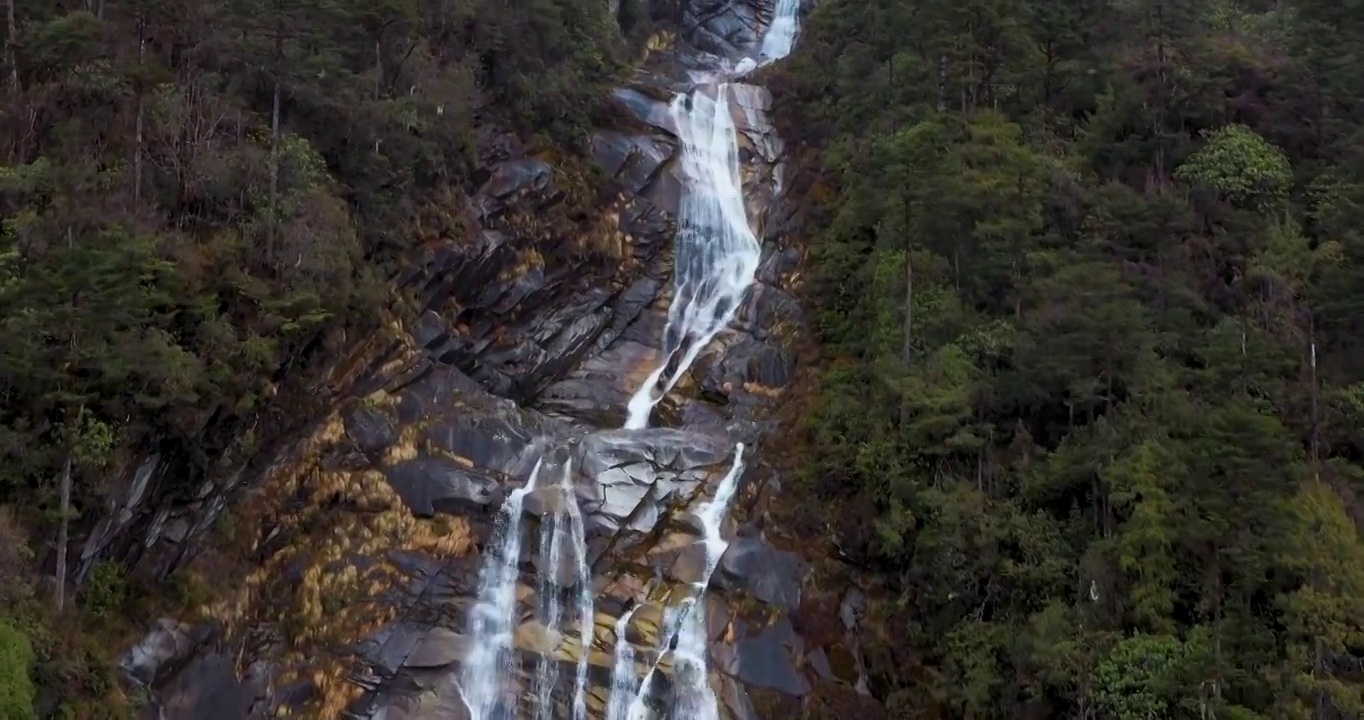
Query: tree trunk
(942,83)
(63,532)
(1316,419)
(11,54)
(274,148)
(141,111)
(907,336)
(274,134)
(378,67)
(64,523)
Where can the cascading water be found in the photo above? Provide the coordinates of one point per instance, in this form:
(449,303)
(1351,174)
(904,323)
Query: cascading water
(781,34)
(493,617)
(715,251)
(551,611)
(691,684)
(716,257)
(622,670)
(586,613)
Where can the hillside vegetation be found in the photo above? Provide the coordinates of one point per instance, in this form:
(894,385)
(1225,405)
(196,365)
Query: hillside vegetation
(192,194)
(1088,277)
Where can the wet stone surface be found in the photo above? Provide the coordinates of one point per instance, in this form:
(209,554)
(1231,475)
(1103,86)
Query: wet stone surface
(526,347)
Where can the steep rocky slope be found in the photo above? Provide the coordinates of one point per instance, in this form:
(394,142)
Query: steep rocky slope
(365,536)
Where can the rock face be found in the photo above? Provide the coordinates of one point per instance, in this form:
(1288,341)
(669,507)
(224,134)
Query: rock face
(531,335)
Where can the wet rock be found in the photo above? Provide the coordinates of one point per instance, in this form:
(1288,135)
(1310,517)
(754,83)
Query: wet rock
(370,428)
(389,648)
(461,269)
(635,161)
(735,701)
(749,105)
(488,442)
(766,659)
(768,574)
(778,264)
(767,311)
(622,499)
(722,27)
(514,179)
(432,484)
(648,225)
(599,390)
(746,362)
(167,642)
(438,647)
(209,689)
(441,699)
(689,565)
(533,637)
(670,448)
(646,109)
(628,307)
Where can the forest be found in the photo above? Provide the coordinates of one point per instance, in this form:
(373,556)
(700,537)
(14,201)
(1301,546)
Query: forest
(193,194)
(1087,278)
(1094,266)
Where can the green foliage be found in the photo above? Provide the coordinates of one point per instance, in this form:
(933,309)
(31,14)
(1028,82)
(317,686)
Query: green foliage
(1242,166)
(165,249)
(1088,281)
(1134,682)
(193,195)
(107,589)
(16,664)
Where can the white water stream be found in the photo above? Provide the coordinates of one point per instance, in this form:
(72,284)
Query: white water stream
(780,37)
(493,617)
(715,251)
(692,695)
(562,532)
(622,670)
(716,256)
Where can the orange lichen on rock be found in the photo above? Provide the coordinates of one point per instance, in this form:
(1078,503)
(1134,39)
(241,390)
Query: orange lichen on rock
(331,583)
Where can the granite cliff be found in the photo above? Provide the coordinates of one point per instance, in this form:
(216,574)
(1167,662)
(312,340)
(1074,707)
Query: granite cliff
(365,533)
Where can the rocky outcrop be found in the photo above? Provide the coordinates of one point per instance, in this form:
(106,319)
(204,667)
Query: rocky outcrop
(530,333)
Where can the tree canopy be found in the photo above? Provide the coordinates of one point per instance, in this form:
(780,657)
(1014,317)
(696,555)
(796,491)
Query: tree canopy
(194,193)
(1087,282)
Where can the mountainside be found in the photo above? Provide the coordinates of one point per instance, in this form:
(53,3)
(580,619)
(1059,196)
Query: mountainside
(736,359)
(332,517)
(1086,275)
(204,206)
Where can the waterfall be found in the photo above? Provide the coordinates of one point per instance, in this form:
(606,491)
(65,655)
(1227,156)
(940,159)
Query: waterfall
(715,251)
(586,611)
(716,257)
(551,610)
(493,616)
(622,670)
(781,33)
(690,664)
(694,696)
